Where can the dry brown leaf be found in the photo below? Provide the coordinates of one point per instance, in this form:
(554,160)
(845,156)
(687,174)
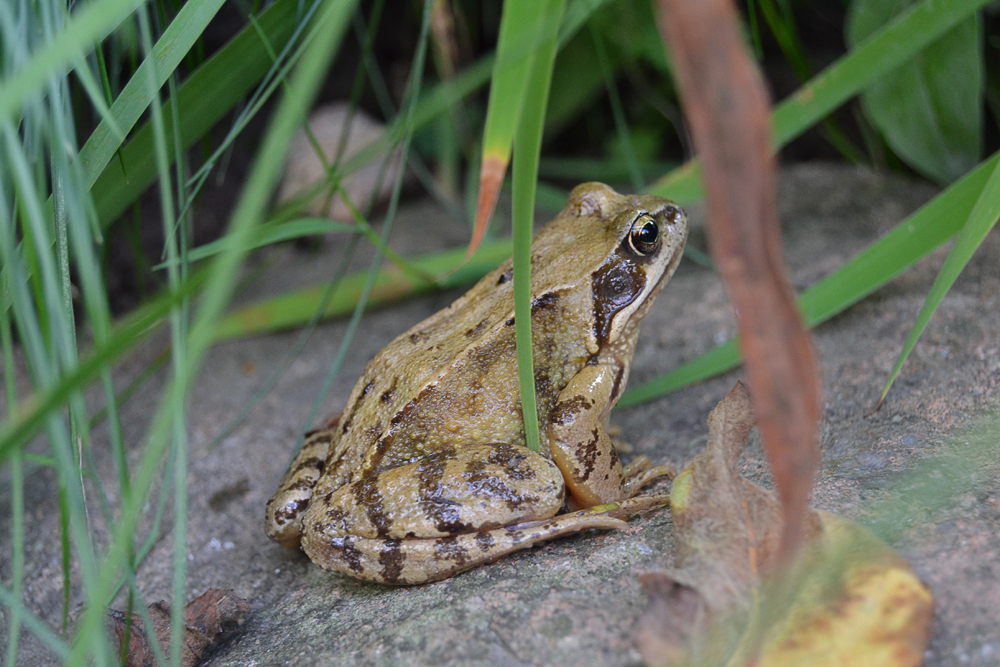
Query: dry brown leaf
(852,601)
(727,109)
(305,171)
(207,620)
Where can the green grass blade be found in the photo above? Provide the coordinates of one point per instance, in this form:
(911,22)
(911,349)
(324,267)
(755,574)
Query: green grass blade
(984,215)
(296,308)
(913,238)
(527,147)
(323,41)
(523,28)
(22,425)
(882,52)
(170,48)
(203,99)
(268,234)
(93,20)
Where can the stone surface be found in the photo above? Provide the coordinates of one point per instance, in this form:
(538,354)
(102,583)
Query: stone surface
(574,601)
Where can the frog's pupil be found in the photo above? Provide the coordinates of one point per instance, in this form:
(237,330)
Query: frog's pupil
(647,235)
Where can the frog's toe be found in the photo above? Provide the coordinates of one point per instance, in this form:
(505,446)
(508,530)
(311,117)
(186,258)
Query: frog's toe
(638,474)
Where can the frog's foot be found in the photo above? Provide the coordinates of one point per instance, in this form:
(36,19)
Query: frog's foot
(283,516)
(640,472)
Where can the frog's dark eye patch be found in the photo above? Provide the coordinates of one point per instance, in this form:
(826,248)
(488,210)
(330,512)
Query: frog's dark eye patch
(644,236)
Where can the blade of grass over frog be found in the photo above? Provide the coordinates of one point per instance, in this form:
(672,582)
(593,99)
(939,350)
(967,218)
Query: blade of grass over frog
(909,241)
(524,26)
(524,177)
(270,233)
(170,48)
(516,45)
(296,308)
(883,51)
(203,99)
(257,191)
(91,22)
(984,215)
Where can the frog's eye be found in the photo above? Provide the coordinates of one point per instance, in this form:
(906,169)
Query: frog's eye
(644,237)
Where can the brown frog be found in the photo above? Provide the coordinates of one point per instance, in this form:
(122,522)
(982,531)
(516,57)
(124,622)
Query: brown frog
(426,472)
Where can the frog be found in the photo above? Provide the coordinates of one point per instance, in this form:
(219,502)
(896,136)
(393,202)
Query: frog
(426,473)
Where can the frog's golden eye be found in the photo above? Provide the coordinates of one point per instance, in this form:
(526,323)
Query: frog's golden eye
(644,237)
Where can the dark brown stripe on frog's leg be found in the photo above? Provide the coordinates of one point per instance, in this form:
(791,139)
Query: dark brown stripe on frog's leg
(392,560)
(478,329)
(322,434)
(565,411)
(345,425)
(367,496)
(316,464)
(448,548)
(344,547)
(485,541)
(616,388)
(291,511)
(588,453)
(381,448)
(445,514)
(549,300)
(613,455)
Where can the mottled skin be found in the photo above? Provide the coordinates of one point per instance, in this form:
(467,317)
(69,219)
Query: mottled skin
(426,474)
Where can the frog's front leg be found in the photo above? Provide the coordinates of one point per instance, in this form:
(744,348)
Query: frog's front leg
(446,513)
(580,444)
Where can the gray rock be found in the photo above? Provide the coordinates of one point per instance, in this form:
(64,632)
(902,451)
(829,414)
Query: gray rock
(574,601)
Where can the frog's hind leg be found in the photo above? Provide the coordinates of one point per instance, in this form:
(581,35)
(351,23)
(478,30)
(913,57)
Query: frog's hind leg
(445,513)
(417,561)
(283,516)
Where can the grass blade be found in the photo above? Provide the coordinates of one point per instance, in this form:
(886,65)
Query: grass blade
(527,147)
(208,94)
(296,308)
(984,215)
(170,48)
(524,26)
(268,234)
(93,21)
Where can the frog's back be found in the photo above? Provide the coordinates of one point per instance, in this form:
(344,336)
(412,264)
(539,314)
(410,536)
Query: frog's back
(451,381)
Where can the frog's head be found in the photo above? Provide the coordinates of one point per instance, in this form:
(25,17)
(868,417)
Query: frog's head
(622,248)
